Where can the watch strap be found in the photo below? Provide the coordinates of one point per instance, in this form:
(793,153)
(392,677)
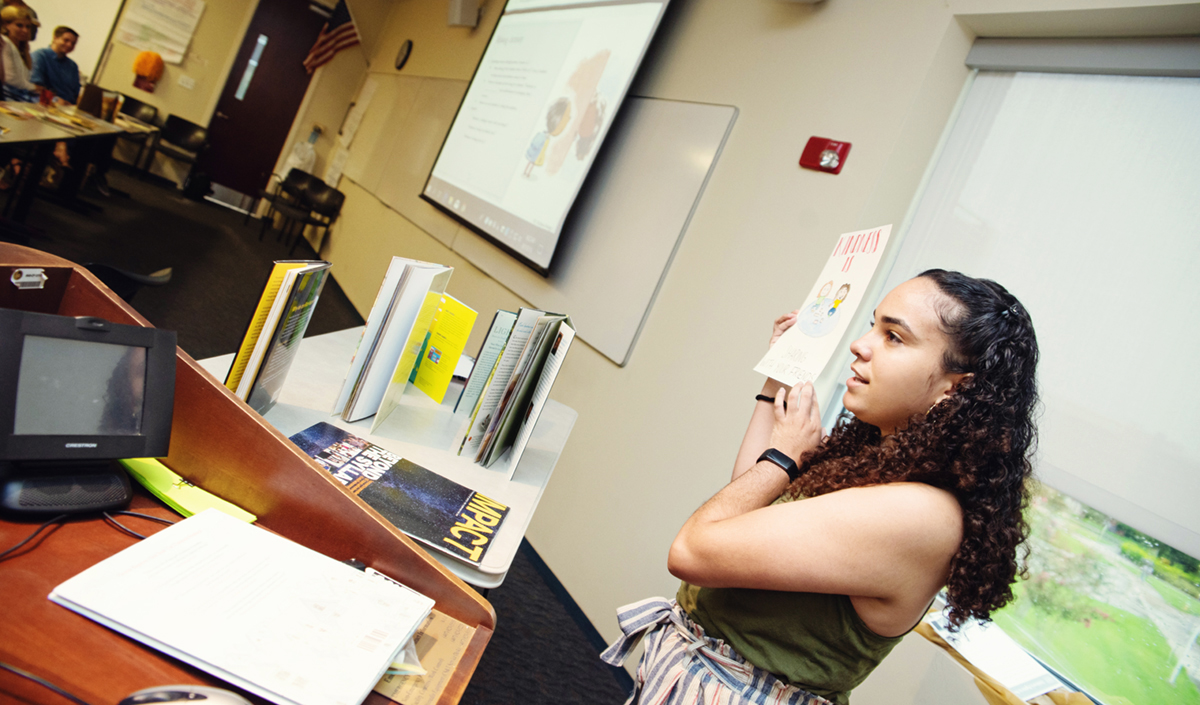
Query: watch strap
(783,460)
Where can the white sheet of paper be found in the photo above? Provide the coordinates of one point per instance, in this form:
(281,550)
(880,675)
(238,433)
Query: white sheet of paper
(252,608)
(804,349)
(996,654)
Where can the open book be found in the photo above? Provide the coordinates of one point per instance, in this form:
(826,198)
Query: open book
(275,330)
(521,357)
(395,331)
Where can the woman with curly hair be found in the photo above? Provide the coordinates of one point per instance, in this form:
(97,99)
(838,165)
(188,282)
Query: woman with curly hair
(823,552)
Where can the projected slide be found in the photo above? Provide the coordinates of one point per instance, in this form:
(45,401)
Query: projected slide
(536,111)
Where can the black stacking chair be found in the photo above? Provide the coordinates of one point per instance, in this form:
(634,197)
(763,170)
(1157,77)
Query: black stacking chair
(321,207)
(141,112)
(288,191)
(125,283)
(180,140)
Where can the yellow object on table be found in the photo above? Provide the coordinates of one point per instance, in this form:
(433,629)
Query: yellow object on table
(178,493)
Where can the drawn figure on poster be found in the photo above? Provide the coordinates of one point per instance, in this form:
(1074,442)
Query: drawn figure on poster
(557,117)
(822,316)
(589,126)
(582,85)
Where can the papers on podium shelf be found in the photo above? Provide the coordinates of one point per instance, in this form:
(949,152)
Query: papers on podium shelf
(992,651)
(252,608)
(275,330)
(407,300)
(804,349)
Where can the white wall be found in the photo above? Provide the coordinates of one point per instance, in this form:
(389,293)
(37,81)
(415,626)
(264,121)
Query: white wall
(656,438)
(92,19)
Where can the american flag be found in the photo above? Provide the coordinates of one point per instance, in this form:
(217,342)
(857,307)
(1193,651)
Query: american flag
(337,34)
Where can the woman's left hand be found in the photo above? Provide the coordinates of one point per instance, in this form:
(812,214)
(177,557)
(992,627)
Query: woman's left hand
(797,426)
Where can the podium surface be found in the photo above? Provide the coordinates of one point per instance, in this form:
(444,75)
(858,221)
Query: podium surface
(220,444)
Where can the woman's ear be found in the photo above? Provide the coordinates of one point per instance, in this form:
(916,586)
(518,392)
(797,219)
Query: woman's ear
(954,381)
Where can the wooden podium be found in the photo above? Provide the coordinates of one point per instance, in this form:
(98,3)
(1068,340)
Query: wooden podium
(217,443)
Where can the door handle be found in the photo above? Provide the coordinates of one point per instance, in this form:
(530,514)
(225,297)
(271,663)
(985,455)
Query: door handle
(222,115)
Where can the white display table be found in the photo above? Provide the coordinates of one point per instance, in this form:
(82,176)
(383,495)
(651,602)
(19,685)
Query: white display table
(427,434)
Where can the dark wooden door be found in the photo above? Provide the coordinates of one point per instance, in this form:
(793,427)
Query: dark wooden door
(261,95)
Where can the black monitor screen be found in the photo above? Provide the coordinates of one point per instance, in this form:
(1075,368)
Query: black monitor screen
(73,387)
(83,388)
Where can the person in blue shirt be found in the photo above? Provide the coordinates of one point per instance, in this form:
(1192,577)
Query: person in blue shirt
(53,70)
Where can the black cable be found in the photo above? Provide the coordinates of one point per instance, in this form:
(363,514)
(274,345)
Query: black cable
(109,518)
(43,682)
(36,531)
(160,520)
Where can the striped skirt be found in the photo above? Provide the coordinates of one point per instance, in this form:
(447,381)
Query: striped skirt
(682,666)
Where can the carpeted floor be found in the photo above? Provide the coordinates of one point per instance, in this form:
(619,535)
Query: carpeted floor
(543,650)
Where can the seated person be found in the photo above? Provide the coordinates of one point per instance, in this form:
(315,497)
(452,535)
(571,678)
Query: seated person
(53,70)
(16,26)
(823,551)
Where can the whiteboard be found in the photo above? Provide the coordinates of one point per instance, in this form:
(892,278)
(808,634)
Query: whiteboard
(618,243)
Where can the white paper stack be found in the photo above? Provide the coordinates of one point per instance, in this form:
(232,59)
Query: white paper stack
(252,608)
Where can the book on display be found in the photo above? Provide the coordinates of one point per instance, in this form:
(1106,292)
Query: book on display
(432,509)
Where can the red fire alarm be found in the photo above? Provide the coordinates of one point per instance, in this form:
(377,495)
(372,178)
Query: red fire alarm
(824,155)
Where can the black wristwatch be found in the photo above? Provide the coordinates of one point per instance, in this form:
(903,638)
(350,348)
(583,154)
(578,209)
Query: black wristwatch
(783,460)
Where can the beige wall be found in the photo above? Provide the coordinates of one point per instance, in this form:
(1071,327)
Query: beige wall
(208,61)
(656,438)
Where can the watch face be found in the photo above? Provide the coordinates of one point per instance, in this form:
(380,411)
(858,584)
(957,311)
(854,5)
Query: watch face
(402,56)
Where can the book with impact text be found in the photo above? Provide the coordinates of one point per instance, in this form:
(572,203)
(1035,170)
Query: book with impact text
(432,509)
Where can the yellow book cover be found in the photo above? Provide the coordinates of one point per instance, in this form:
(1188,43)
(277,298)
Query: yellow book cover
(448,336)
(258,320)
(412,349)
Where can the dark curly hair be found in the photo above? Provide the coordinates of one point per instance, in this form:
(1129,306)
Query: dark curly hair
(976,444)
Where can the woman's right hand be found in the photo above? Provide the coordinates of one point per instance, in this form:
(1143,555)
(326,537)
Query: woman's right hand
(782,323)
(797,427)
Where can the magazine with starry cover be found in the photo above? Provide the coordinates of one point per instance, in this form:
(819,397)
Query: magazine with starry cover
(432,509)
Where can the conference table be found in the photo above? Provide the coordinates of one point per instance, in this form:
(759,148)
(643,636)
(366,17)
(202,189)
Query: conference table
(42,127)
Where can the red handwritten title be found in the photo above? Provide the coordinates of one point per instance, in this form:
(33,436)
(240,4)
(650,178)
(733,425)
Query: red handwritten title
(857,243)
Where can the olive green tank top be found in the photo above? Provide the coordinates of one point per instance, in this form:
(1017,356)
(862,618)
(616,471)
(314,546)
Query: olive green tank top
(813,641)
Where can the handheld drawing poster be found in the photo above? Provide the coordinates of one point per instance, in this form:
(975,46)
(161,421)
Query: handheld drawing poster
(804,349)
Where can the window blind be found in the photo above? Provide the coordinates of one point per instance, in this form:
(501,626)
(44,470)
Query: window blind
(1081,195)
